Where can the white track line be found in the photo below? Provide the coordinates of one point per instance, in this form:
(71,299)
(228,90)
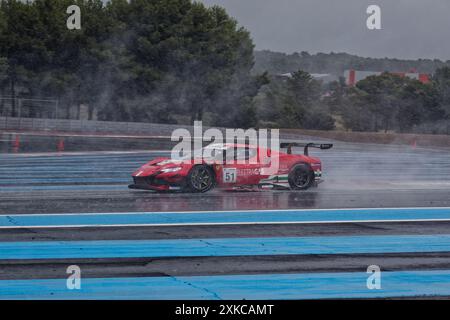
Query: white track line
(219,224)
(223,211)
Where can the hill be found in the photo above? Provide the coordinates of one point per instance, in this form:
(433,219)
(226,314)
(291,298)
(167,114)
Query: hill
(336,63)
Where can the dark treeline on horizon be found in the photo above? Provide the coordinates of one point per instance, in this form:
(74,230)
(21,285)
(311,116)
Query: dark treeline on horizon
(337,63)
(178,61)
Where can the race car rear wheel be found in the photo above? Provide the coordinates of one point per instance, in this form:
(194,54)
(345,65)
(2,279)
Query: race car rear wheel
(200,179)
(301,177)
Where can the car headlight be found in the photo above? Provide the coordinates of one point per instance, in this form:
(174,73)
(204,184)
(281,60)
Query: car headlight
(174,169)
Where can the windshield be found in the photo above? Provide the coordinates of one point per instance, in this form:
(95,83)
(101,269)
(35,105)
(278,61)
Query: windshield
(220,153)
(215,152)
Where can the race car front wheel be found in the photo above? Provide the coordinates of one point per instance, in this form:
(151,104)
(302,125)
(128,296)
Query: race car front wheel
(301,177)
(200,179)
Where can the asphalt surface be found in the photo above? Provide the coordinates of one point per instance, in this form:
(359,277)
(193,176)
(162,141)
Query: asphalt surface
(356,176)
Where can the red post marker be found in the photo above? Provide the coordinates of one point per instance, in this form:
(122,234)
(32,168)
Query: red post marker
(16,144)
(17,141)
(61,145)
(414,144)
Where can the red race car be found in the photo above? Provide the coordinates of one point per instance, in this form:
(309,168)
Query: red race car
(250,168)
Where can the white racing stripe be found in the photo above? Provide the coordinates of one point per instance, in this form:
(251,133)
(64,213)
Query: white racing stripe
(219,224)
(231,211)
(205,218)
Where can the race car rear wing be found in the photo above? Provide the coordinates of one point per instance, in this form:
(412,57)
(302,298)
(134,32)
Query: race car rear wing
(306,146)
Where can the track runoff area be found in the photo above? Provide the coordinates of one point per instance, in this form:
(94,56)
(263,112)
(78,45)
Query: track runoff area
(378,227)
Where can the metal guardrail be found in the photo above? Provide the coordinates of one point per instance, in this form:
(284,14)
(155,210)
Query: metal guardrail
(86,126)
(20,107)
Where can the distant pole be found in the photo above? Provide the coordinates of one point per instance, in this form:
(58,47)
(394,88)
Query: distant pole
(16,144)
(6,120)
(56,109)
(19,103)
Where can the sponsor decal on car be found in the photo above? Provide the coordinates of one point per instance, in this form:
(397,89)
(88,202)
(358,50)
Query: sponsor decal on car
(249,172)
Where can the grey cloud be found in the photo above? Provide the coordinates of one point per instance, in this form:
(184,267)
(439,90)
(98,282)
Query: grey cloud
(411,28)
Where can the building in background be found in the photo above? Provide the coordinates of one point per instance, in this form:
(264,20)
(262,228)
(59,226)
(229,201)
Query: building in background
(353,76)
(324,77)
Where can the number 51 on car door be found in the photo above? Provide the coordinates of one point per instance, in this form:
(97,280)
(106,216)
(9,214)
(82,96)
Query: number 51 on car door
(229,175)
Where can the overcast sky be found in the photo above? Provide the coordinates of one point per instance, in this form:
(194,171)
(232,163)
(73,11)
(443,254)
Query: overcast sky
(410,28)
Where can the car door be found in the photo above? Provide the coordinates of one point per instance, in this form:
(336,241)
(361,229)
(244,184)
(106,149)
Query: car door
(242,168)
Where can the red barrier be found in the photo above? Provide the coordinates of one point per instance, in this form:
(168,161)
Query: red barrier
(16,143)
(60,145)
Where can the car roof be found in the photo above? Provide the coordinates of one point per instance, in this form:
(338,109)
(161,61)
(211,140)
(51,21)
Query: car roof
(228,145)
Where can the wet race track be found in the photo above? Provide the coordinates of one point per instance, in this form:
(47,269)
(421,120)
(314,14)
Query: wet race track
(58,210)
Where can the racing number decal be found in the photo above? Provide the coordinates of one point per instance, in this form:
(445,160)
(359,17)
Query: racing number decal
(229,175)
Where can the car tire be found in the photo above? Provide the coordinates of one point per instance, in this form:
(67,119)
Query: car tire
(200,179)
(301,177)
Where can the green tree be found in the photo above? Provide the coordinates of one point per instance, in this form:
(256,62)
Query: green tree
(418,103)
(3,82)
(303,107)
(441,80)
(302,91)
(46,59)
(294,102)
(184,59)
(20,44)
(388,102)
(383,99)
(140,60)
(354,111)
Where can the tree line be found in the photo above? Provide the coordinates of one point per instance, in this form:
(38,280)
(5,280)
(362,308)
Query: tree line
(167,61)
(336,63)
(383,103)
(176,61)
